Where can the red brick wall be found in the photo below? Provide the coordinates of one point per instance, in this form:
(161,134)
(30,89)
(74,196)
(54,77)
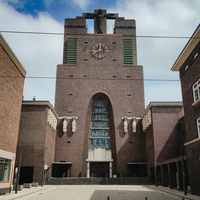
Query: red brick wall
(165,131)
(188,78)
(162,137)
(123,89)
(10,102)
(192,112)
(36,139)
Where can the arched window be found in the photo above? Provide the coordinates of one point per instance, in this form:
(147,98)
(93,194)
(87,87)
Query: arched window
(99,135)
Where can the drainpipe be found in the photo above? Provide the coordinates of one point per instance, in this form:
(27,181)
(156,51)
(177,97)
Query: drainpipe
(182,158)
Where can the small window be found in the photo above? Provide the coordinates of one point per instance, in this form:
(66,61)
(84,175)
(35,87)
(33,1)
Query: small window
(196,91)
(4,170)
(198,127)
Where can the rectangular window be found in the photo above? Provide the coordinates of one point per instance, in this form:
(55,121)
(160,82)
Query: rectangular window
(4,170)
(128,51)
(198,127)
(196,91)
(71,46)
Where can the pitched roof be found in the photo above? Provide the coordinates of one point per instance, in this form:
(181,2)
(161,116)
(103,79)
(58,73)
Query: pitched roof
(12,56)
(189,47)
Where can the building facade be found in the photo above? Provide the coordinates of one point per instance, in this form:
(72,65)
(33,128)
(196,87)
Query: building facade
(36,143)
(99,100)
(12,83)
(163,124)
(188,65)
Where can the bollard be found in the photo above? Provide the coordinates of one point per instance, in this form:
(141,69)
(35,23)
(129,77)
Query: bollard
(145,198)
(108,198)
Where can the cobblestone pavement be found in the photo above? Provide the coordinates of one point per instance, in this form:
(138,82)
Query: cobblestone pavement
(98,192)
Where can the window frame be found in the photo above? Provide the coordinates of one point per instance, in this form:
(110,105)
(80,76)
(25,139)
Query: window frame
(198,127)
(5,170)
(99,130)
(196,90)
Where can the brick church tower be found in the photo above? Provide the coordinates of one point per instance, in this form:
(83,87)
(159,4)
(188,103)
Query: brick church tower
(99,100)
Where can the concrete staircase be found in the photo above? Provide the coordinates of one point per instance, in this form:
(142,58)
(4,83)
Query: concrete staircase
(99,181)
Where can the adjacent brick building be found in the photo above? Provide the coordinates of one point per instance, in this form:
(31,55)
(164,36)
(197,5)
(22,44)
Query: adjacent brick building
(99,99)
(12,76)
(163,124)
(36,144)
(188,65)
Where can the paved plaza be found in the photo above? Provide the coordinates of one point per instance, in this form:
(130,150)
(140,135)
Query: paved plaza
(98,192)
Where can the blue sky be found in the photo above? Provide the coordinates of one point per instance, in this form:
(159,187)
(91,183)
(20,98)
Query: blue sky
(40,54)
(59,9)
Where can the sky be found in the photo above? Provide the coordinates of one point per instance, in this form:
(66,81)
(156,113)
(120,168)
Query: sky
(40,54)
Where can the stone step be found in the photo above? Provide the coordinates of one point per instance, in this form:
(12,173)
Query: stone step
(99,181)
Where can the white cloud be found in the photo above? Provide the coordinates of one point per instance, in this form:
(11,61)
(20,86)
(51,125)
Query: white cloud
(160,18)
(83,4)
(39,54)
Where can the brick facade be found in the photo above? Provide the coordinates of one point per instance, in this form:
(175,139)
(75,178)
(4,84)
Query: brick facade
(163,142)
(79,86)
(188,65)
(36,141)
(12,82)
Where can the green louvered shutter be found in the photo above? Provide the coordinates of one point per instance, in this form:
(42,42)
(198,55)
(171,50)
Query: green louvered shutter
(71,51)
(128,51)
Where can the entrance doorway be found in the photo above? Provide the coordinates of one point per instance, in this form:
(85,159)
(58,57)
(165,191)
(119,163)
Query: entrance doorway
(137,169)
(99,169)
(61,169)
(26,175)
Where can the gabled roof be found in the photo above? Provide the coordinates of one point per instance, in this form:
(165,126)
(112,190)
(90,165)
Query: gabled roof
(189,47)
(12,56)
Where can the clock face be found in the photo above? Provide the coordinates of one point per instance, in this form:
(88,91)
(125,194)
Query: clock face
(99,51)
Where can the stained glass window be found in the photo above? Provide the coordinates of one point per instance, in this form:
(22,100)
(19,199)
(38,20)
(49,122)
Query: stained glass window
(100,130)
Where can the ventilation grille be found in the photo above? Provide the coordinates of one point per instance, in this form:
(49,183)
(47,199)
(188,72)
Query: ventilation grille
(128,51)
(71,46)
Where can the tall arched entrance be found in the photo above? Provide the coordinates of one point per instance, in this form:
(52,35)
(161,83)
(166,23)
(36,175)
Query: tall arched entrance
(101,141)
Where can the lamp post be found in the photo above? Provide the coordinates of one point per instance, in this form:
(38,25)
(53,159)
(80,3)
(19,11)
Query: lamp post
(44,168)
(18,170)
